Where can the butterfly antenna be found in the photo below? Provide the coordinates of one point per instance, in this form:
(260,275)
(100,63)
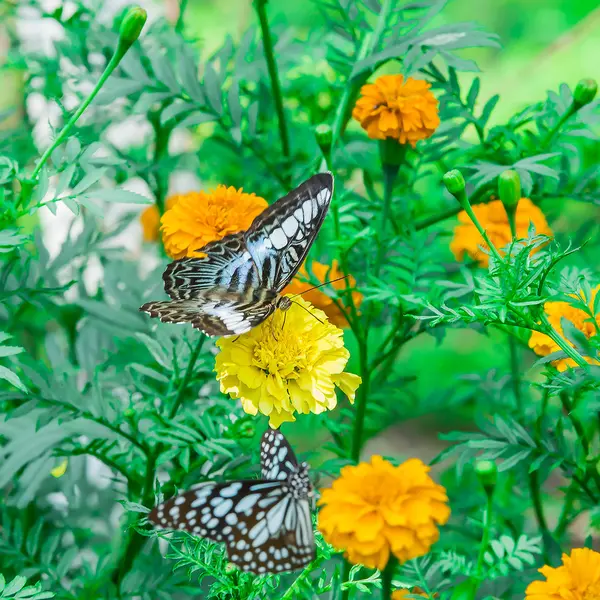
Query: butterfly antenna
(308,311)
(321,285)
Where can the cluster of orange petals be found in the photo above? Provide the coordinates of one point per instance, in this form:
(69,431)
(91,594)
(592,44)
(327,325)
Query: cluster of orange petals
(376,509)
(578,578)
(556,312)
(197,218)
(492,217)
(319,299)
(397,107)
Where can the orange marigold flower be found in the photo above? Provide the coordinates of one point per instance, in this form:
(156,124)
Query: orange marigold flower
(556,311)
(492,216)
(578,578)
(150,220)
(198,218)
(397,107)
(404,593)
(374,509)
(300,285)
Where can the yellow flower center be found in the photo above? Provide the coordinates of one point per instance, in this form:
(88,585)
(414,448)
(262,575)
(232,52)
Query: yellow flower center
(281,352)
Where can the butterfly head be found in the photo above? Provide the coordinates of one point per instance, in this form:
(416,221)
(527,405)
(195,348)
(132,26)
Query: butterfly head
(283,303)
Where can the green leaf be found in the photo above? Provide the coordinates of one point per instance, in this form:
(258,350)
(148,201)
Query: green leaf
(117,196)
(212,87)
(14,586)
(12,378)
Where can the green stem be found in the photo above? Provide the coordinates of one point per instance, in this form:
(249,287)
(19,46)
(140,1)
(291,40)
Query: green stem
(515,372)
(186,377)
(361,402)
(550,135)
(273,75)
(179,24)
(161,148)
(538,507)
(485,538)
(390,172)
(346,577)
(562,343)
(469,210)
(386,578)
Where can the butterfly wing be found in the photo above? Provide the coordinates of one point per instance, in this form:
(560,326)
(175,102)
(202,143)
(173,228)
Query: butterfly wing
(263,527)
(280,237)
(216,312)
(277,458)
(227,265)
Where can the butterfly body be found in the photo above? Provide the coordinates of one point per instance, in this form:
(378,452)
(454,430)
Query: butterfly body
(237,283)
(265,523)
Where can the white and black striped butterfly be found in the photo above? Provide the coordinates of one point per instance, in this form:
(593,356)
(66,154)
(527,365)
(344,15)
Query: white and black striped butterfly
(237,285)
(265,523)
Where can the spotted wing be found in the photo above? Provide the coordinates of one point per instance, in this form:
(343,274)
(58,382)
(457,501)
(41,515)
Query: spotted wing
(264,528)
(277,458)
(227,265)
(216,312)
(280,237)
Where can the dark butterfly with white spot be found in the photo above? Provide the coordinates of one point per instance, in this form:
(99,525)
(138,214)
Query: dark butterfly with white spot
(265,523)
(237,285)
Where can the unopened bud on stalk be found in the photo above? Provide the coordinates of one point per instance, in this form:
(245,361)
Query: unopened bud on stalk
(487,473)
(324,136)
(132,24)
(585,92)
(509,190)
(455,184)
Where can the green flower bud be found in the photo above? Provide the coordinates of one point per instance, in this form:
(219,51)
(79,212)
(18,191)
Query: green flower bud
(455,184)
(585,92)
(131,27)
(487,473)
(509,188)
(324,135)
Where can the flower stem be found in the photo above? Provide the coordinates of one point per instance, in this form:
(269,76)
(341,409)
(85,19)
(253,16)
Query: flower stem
(550,135)
(482,231)
(485,538)
(386,578)
(562,343)
(273,75)
(361,402)
(390,172)
(538,507)
(186,377)
(515,372)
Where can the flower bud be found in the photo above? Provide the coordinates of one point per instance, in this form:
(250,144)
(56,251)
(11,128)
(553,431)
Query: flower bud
(131,26)
(455,184)
(487,472)
(509,188)
(585,92)
(324,135)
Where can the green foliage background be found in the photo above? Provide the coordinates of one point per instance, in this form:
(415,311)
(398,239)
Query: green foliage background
(441,347)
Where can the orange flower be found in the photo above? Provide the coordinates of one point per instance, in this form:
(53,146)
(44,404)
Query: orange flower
(492,216)
(578,578)
(150,220)
(317,298)
(374,509)
(556,311)
(198,218)
(393,107)
(404,593)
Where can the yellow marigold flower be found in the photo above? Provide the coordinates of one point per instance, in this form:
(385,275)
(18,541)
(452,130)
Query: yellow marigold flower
(399,108)
(578,578)
(316,297)
(150,220)
(541,344)
(198,218)
(374,509)
(492,216)
(289,363)
(60,469)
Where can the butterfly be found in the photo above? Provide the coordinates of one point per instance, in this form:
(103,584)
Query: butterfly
(238,283)
(265,523)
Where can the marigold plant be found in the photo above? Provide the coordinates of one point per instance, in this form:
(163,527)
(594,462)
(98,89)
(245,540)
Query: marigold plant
(492,216)
(397,107)
(197,218)
(375,509)
(577,578)
(291,363)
